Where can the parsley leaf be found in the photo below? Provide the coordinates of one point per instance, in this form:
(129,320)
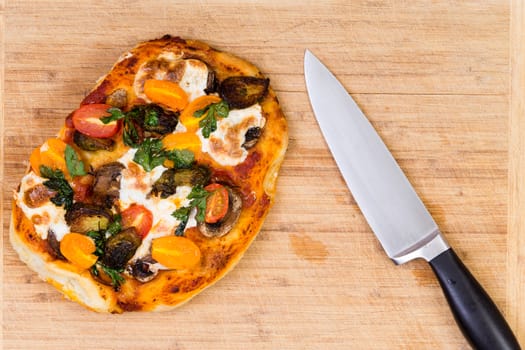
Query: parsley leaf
(198,196)
(130,134)
(182,158)
(100,241)
(116,114)
(73,163)
(113,274)
(57,182)
(212,111)
(151,117)
(150,154)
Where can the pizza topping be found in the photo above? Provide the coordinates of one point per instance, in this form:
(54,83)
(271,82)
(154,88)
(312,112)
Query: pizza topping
(53,245)
(139,217)
(188,118)
(106,185)
(78,249)
(118,98)
(191,75)
(83,217)
(224,225)
(209,116)
(251,137)
(107,276)
(144,269)
(167,93)
(216,204)
(58,183)
(38,195)
(120,248)
(51,155)
(175,252)
(74,165)
(242,91)
(225,145)
(182,141)
(88,143)
(86,119)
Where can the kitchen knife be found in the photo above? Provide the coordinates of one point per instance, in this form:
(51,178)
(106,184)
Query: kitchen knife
(393,209)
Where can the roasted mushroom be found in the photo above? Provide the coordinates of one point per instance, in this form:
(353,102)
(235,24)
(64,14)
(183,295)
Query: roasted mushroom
(251,137)
(242,92)
(53,246)
(224,226)
(83,217)
(118,98)
(106,186)
(88,143)
(38,195)
(212,83)
(120,248)
(144,269)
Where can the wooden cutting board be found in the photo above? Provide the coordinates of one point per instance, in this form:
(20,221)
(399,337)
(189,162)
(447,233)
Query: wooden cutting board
(442,81)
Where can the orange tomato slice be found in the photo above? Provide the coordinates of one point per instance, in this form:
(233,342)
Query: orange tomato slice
(175,252)
(182,140)
(51,154)
(167,93)
(188,120)
(78,249)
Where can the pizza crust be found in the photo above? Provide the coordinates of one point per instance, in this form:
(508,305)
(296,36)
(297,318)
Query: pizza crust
(256,177)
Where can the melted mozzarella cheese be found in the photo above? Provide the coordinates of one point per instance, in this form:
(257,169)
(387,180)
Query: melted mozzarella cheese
(46,217)
(190,74)
(225,144)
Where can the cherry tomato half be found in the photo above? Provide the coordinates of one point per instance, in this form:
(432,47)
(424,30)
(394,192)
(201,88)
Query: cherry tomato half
(217,203)
(86,120)
(137,216)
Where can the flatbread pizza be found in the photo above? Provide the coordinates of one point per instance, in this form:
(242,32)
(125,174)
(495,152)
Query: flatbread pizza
(157,184)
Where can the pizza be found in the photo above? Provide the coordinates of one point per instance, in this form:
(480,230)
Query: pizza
(157,183)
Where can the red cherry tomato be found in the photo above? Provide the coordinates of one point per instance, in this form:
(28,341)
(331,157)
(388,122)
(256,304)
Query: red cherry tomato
(217,203)
(137,216)
(86,120)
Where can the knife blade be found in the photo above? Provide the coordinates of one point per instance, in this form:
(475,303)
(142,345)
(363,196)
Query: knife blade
(394,211)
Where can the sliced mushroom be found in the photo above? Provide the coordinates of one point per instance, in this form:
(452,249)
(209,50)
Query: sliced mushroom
(225,225)
(144,269)
(118,98)
(251,137)
(242,92)
(83,217)
(53,246)
(38,195)
(120,248)
(88,143)
(212,83)
(106,186)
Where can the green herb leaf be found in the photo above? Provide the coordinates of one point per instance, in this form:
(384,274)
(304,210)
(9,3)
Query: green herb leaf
(100,241)
(150,154)
(208,124)
(116,114)
(73,162)
(151,118)
(198,196)
(182,214)
(115,275)
(57,182)
(115,226)
(182,159)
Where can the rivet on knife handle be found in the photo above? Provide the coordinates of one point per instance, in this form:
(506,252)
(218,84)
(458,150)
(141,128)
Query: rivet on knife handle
(393,209)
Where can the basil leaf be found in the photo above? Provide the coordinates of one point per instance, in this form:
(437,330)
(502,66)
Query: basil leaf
(73,163)
(208,124)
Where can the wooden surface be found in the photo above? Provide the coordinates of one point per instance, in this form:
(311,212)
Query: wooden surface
(442,81)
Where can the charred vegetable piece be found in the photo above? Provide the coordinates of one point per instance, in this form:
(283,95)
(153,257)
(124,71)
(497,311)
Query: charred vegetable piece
(120,248)
(242,92)
(222,227)
(165,185)
(144,269)
(106,186)
(88,143)
(251,137)
(212,83)
(198,175)
(107,276)
(154,120)
(83,217)
(118,98)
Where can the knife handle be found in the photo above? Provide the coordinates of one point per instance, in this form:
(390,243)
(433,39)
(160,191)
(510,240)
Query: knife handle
(476,314)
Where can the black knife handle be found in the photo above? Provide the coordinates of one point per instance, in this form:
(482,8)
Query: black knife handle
(476,314)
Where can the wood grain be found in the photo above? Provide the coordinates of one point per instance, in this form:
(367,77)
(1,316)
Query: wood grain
(442,82)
